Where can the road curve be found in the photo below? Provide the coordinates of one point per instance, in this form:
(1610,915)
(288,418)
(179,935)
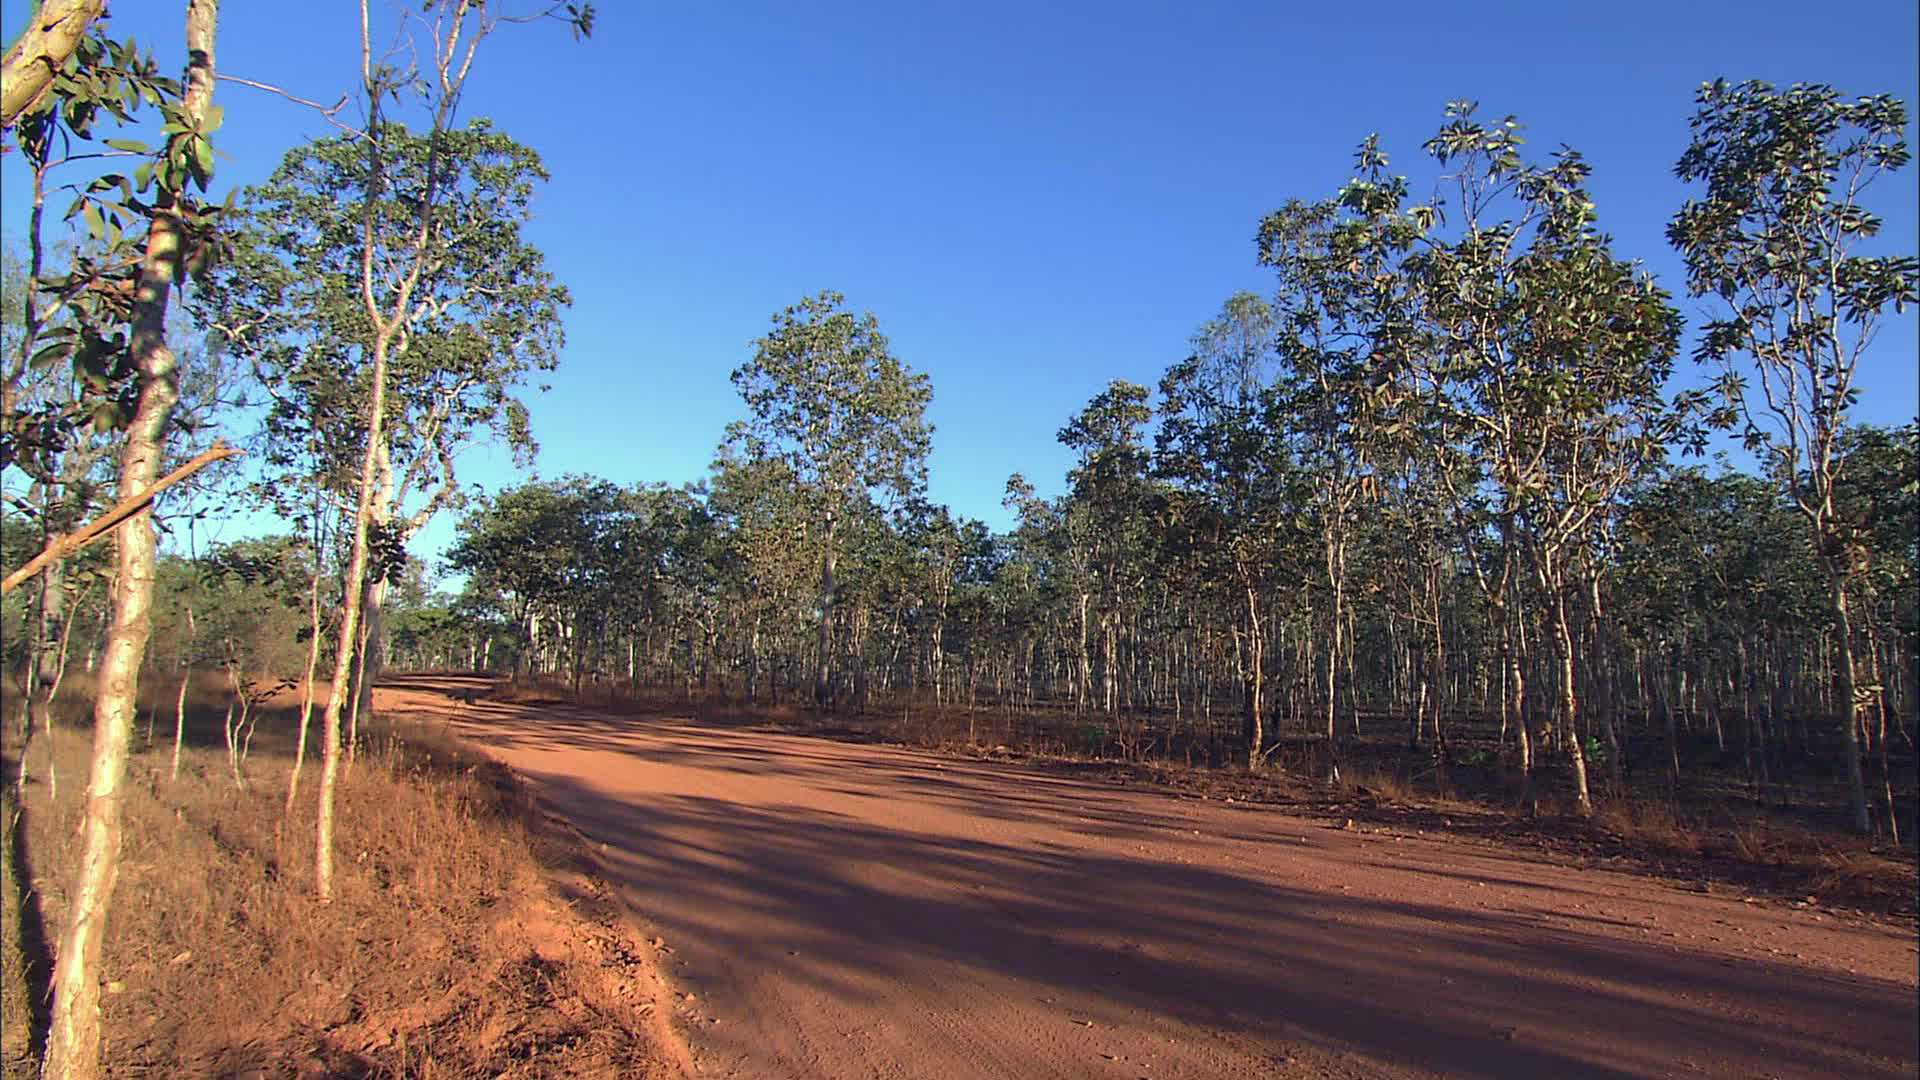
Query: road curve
(841,910)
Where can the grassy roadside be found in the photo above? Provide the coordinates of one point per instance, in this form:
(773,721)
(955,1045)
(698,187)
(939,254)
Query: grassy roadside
(468,937)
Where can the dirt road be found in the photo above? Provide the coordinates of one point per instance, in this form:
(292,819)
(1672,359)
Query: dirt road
(841,910)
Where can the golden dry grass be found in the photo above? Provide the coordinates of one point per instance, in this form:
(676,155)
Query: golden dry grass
(446,952)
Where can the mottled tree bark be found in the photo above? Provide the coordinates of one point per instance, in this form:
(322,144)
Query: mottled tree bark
(42,49)
(73,1048)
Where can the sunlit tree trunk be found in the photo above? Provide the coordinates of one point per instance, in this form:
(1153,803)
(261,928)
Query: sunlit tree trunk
(306,683)
(49,644)
(1569,698)
(373,615)
(73,1047)
(823,667)
(1848,700)
(347,642)
(52,34)
(1256,678)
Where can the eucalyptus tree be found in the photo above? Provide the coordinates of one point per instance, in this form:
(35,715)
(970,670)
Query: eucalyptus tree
(1877,497)
(1780,239)
(250,596)
(873,595)
(68,383)
(1595,345)
(545,546)
(758,502)
(1341,307)
(47,441)
(396,257)
(151,228)
(938,548)
(847,418)
(431,634)
(480,316)
(1106,517)
(1233,508)
(1544,360)
(679,552)
(1036,580)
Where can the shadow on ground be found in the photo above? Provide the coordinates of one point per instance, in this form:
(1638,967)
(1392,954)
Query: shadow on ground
(1272,964)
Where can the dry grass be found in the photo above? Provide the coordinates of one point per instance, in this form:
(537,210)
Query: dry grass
(445,953)
(1646,824)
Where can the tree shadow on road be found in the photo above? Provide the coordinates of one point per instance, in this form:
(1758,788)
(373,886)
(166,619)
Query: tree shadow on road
(836,902)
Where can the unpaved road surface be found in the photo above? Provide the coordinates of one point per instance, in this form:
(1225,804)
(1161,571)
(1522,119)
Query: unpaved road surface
(841,910)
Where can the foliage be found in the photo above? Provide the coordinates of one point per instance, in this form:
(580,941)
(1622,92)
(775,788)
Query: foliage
(79,317)
(484,316)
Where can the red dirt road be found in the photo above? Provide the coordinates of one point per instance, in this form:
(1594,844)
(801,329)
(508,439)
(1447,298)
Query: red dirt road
(842,910)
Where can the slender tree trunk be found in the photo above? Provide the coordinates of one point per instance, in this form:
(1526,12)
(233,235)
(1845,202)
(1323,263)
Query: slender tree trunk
(233,748)
(73,1048)
(373,637)
(1607,697)
(50,639)
(1109,663)
(823,670)
(1440,696)
(52,695)
(1256,674)
(353,706)
(1569,699)
(1880,739)
(1083,685)
(346,645)
(29,693)
(1514,702)
(1333,668)
(1848,702)
(306,686)
(180,720)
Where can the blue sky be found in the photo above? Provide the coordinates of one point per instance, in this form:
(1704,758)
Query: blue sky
(1033,198)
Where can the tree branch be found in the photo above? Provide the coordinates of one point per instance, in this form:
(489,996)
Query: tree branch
(325,111)
(75,542)
(41,50)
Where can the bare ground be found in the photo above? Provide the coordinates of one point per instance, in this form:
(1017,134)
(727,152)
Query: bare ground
(829,909)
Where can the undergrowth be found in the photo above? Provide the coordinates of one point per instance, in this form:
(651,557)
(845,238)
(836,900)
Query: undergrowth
(444,951)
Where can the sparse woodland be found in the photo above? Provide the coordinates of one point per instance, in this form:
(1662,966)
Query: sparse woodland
(1434,490)
(1431,505)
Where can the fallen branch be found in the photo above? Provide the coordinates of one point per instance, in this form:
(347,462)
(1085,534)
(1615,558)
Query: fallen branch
(75,542)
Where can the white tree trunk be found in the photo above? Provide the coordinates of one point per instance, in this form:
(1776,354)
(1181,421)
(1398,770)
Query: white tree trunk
(73,1046)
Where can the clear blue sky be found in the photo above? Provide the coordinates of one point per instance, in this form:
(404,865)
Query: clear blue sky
(1033,198)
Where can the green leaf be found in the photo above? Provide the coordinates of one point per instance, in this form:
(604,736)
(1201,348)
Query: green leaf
(203,161)
(51,355)
(131,146)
